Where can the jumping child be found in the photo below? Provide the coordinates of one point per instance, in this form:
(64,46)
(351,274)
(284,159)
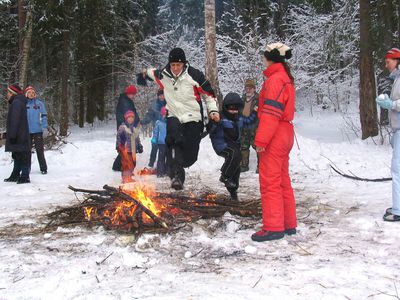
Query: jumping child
(128,144)
(225,138)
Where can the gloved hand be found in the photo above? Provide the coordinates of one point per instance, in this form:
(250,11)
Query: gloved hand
(384,101)
(153,140)
(13,141)
(139,148)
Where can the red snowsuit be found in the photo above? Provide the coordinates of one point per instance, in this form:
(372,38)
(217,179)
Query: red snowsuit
(275,133)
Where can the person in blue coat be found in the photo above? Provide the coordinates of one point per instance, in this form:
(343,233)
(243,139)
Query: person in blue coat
(17,135)
(225,138)
(152,116)
(159,135)
(37,120)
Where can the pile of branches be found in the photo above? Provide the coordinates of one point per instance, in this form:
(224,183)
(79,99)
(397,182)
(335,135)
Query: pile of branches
(178,209)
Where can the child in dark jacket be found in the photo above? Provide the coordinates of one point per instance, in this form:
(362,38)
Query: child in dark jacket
(128,144)
(225,138)
(159,134)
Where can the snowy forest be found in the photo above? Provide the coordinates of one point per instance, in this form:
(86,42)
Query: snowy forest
(80,54)
(153,208)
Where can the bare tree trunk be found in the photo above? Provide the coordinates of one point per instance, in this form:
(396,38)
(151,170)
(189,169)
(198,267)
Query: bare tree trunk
(64,113)
(81,103)
(21,23)
(368,111)
(211,52)
(26,49)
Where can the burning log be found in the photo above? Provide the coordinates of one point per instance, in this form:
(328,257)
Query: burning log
(140,210)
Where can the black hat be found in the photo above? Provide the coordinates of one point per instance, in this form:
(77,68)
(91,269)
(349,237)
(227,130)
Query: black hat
(232,99)
(177,55)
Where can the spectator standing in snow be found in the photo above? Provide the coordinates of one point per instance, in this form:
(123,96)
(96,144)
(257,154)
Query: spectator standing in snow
(274,141)
(17,135)
(159,135)
(183,85)
(128,144)
(225,138)
(125,103)
(392,103)
(250,121)
(37,120)
(152,116)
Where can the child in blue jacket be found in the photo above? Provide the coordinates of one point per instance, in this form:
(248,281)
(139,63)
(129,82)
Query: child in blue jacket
(37,120)
(225,138)
(128,144)
(159,134)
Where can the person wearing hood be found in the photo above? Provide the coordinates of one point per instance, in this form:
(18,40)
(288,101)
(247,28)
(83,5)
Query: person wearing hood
(17,135)
(158,139)
(225,138)
(183,87)
(274,141)
(392,103)
(37,120)
(125,103)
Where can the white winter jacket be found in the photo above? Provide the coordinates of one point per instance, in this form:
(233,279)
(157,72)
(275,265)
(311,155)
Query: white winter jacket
(395,96)
(182,93)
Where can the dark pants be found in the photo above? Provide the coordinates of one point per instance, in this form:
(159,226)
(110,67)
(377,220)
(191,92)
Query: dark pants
(231,167)
(153,154)
(37,140)
(22,164)
(161,162)
(117,163)
(183,141)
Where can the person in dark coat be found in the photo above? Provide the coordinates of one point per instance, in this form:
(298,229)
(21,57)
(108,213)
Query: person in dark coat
(125,103)
(225,138)
(152,116)
(17,135)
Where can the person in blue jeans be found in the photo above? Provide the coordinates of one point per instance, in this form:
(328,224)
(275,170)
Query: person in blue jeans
(392,103)
(159,134)
(37,120)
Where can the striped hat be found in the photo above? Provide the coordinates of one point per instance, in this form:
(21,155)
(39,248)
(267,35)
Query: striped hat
(128,114)
(14,89)
(393,53)
(29,88)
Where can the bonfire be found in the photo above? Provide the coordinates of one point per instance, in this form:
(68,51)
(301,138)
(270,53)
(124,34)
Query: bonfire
(138,208)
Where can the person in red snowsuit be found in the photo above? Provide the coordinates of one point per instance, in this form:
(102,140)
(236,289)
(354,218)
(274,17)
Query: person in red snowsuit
(274,141)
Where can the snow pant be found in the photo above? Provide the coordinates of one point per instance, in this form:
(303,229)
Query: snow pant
(161,162)
(395,168)
(246,141)
(277,198)
(22,164)
(183,141)
(128,166)
(231,167)
(37,141)
(153,154)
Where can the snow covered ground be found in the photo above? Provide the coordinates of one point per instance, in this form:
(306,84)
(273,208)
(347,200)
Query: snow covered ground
(343,249)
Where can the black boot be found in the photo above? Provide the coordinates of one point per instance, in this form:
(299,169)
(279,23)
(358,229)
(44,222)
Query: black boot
(265,235)
(23,180)
(229,183)
(234,195)
(176,183)
(291,231)
(13,178)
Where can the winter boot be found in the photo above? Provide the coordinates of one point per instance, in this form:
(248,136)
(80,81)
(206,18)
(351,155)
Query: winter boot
(265,235)
(244,165)
(389,217)
(13,178)
(229,183)
(23,180)
(291,231)
(44,172)
(176,183)
(234,195)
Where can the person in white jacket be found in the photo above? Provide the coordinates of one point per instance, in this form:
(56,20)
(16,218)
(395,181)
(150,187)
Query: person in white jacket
(183,88)
(392,103)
